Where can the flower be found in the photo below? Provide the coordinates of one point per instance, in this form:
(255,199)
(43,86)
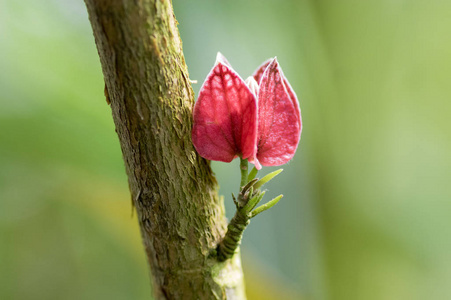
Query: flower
(258,119)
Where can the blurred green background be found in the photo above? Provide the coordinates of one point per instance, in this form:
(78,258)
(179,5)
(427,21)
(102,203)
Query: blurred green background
(366,212)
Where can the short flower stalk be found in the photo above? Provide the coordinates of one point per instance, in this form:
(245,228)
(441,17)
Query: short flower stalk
(249,197)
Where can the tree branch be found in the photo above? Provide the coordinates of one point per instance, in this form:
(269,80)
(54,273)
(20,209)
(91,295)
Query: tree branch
(173,189)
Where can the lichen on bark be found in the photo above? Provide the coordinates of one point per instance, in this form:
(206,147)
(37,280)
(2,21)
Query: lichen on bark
(172,188)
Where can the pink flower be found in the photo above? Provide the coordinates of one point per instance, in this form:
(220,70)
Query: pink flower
(228,123)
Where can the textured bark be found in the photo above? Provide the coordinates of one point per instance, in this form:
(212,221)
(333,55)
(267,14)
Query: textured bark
(174,192)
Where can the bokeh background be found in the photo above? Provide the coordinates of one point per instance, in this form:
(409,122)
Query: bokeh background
(366,212)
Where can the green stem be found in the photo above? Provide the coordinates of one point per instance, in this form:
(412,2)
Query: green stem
(243,169)
(232,239)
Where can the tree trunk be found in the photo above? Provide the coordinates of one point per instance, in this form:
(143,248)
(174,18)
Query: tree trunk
(173,189)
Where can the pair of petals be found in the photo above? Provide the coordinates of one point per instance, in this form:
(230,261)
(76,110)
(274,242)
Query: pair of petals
(228,123)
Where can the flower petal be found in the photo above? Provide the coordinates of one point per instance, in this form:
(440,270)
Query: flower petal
(222,59)
(260,70)
(252,85)
(279,120)
(258,75)
(293,98)
(225,116)
(254,160)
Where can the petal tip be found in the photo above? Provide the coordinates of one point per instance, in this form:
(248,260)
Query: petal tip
(220,58)
(252,85)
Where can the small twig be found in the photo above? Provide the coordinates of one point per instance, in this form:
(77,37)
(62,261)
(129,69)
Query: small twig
(227,247)
(232,239)
(246,201)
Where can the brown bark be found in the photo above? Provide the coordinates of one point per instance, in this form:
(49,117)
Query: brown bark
(173,189)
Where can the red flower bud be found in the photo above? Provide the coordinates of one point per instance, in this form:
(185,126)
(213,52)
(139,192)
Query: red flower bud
(225,116)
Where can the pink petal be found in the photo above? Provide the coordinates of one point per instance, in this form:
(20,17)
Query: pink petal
(252,85)
(293,98)
(222,59)
(225,116)
(258,75)
(260,70)
(256,163)
(279,120)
